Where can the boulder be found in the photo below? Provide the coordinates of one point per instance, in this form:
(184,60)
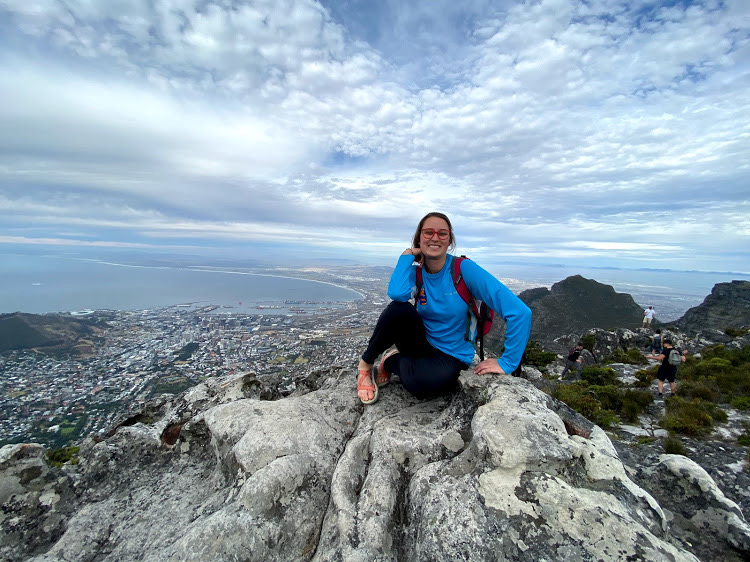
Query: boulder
(605,344)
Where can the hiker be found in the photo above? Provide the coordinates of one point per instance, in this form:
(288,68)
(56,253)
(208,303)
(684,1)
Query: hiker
(668,368)
(574,360)
(431,338)
(656,343)
(648,315)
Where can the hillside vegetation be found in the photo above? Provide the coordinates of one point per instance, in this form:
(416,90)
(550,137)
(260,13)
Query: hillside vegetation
(49,331)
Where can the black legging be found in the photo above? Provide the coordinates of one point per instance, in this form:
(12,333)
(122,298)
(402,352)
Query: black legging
(423,370)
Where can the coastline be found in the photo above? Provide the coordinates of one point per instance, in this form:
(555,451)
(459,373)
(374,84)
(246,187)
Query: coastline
(62,284)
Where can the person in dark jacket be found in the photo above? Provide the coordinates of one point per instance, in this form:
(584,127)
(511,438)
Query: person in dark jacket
(574,360)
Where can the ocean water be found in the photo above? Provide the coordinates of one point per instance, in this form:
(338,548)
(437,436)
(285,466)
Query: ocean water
(41,284)
(47,283)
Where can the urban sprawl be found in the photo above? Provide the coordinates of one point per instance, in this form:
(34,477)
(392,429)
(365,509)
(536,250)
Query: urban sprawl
(57,399)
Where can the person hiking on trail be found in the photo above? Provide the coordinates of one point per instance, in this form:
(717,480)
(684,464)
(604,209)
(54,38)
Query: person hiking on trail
(648,316)
(656,343)
(431,338)
(574,360)
(668,368)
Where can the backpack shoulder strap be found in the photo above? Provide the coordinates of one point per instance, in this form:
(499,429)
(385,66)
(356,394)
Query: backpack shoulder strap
(458,281)
(420,282)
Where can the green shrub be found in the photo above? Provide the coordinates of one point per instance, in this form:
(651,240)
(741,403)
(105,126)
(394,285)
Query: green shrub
(735,332)
(744,438)
(642,398)
(602,404)
(713,366)
(577,396)
(600,376)
(704,389)
(693,417)
(630,411)
(714,351)
(588,341)
(632,403)
(537,357)
(742,403)
(643,378)
(609,396)
(722,375)
(58,457)
(674,446)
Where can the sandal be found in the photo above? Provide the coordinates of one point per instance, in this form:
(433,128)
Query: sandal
(363,373)
(384,377)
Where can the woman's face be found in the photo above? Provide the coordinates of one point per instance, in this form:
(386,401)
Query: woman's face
(434,247)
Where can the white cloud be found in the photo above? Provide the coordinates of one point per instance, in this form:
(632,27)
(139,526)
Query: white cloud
(534,121)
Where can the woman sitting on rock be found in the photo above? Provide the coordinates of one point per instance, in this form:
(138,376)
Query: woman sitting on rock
(430,339)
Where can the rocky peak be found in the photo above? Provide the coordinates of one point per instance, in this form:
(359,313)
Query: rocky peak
(728,306)
(576,304)
(229,471)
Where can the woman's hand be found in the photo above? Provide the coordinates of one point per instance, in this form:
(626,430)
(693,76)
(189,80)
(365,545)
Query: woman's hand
(487,367)
(416,252)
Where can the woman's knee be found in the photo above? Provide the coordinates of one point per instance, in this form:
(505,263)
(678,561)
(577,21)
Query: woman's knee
(398,308)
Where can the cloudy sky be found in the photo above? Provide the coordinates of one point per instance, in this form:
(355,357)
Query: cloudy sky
(604,132)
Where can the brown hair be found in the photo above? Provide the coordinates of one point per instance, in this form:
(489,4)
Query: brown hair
(418,233)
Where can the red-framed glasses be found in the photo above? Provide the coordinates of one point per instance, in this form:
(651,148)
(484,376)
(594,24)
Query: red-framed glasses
(442,234)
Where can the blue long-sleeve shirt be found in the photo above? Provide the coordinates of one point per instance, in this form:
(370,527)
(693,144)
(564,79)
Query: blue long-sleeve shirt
(443,311)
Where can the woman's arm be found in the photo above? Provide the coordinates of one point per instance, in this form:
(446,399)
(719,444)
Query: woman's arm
(404,277)
(516,314)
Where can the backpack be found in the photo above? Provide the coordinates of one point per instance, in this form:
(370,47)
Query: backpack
(479,316)
(675,358)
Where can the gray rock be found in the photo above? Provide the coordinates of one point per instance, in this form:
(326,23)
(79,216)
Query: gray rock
(639,338)
(696,506)
(36,501)
(605,344)
(495,470)
(625,372)
(531,373)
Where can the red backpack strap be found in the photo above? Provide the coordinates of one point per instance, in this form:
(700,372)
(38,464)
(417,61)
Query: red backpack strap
(463,292)
(459,283)
(420,283)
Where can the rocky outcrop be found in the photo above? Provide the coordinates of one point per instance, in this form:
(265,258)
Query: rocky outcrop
(689,495)
(497,470)
(576,305)
(728,306)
